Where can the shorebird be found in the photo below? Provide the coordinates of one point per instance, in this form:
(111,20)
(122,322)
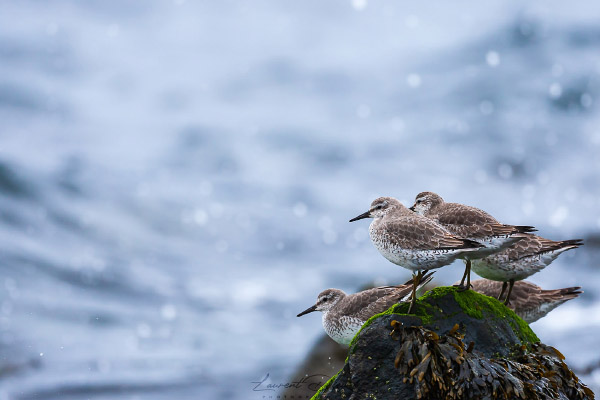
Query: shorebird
(470,223)
(529,301)
(412,240)
(521,260)
(344,314)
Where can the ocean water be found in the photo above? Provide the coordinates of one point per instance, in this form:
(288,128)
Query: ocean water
(176,177)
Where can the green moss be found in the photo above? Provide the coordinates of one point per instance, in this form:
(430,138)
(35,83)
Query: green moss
(468,300)
(391,310)
(317,395)
(479,306)
(472,303)
(423,310)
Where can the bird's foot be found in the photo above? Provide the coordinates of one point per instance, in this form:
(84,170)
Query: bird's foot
(462,288)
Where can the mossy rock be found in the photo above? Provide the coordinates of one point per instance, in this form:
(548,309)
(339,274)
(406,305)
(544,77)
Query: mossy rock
(494,328)
(483,331)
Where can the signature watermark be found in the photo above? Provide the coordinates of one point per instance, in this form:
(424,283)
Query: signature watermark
(310,383)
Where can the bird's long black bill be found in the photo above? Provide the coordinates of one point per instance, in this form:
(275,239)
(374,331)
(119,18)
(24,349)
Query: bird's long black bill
(308,310)
(412,208)
(361,216)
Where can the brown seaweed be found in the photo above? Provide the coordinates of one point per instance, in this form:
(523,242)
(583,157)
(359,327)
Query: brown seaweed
(441,367)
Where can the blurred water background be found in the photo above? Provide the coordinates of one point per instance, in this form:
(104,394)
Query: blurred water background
(176,178)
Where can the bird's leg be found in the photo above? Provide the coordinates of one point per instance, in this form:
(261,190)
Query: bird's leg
(412,297)
(504,285)
(510,287)
(467,275)
(413,300)
(462,281)
(468,272)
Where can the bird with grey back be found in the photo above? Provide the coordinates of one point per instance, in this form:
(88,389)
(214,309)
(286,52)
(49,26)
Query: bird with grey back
(521,260)
(470,223)
(528,300)
(344,314)
(412,240)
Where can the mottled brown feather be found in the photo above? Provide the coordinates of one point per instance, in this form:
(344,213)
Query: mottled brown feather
(471,222)
(373,301)
(467,221)
(533,245)
(416,232)
(527,299)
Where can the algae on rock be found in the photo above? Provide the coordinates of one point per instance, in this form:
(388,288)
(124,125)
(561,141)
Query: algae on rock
(455,345)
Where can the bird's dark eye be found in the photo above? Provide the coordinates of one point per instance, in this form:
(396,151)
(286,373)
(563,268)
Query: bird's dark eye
(379,206)
(419,201)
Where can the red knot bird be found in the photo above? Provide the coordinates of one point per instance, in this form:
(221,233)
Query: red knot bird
(412,240)
(469,223)
(529,301)
(344,314)
(521,260)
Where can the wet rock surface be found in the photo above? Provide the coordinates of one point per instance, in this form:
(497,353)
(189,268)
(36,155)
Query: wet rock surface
(325,359)
(457,346)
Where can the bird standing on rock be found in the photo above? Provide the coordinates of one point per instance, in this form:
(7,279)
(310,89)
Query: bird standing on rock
(470,223)
(344,314)
(412,240)
(521,260)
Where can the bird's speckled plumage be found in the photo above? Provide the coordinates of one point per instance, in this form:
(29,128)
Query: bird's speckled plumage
(523,259)
(470,223)
(344,315)
(528,300)
(411,240)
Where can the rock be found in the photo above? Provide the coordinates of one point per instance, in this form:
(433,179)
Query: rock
(324,360)
(457,345)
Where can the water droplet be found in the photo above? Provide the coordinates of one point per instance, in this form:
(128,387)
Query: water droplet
(413,80)
(359,5)
(168,312)
(492,58)
(397,124)
(200,217)
(559,216)
(555,90)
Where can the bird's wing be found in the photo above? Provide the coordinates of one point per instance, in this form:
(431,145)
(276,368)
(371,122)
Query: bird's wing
(460,214)
(471,222)
(379,304)
(487,287)
(373,301)
(530,245)
(420,233)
